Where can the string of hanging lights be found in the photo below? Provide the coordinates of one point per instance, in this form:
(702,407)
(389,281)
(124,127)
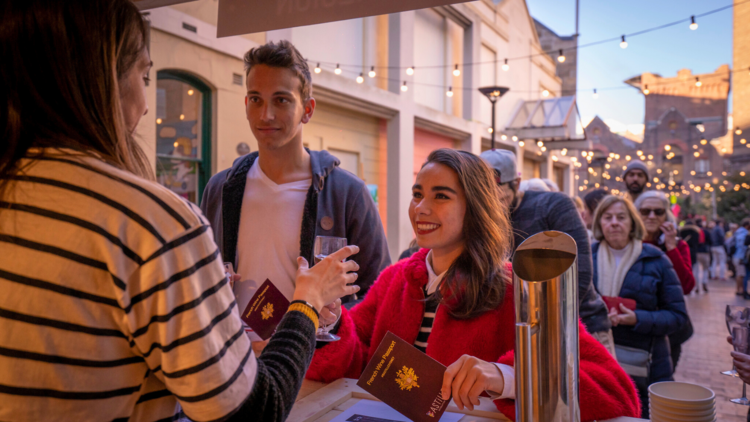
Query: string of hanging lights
(359,77)
(411,70)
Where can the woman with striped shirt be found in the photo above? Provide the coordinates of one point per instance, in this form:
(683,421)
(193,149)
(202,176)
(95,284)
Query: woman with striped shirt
(114,303)
(453,299)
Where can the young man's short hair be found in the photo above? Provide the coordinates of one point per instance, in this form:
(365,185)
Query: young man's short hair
(283,55)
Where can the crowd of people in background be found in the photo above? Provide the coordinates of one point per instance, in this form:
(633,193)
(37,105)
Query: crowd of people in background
(132,316)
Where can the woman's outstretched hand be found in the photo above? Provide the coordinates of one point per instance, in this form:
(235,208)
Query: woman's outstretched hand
(328,280)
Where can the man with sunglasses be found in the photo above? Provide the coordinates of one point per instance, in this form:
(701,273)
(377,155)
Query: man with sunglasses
(533,212)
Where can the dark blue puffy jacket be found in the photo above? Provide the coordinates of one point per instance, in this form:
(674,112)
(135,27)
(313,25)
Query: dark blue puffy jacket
(660,307)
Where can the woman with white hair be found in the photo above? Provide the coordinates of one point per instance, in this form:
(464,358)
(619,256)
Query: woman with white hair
(552,186)
(533,185)
(661,232)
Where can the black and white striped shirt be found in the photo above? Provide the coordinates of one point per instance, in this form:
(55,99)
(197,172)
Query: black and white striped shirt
(430,305)
(114,302)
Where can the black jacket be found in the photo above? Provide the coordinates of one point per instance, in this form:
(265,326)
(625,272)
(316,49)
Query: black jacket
(338,204)
(541,211)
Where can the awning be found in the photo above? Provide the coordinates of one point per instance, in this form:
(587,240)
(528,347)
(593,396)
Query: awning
(553,120)
(238,17)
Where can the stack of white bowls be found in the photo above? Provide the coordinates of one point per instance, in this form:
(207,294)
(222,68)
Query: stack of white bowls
(681,402)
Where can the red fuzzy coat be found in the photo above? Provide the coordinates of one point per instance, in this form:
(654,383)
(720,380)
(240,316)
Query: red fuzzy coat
(395,303)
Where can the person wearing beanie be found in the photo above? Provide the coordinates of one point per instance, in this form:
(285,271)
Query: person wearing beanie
(532,212)
(635,178)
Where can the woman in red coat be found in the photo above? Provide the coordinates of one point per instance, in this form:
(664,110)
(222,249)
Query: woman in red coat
(661,232)
(453,299)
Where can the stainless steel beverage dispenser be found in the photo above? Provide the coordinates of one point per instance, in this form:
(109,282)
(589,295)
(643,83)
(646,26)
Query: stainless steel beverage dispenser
(545,283)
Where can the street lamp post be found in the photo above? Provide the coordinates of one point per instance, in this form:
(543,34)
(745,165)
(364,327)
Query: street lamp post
(493,93)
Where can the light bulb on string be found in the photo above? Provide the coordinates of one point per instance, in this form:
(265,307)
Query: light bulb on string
(360,78)
(560,56)
(545,93)
(456,72)
(317,68)
(520,143)
(539,144)
(623,43)
(738,131)
(371,73)
(410,70)
(698,82)
(693,25)
(505,65)
(645,90)
(515,138)
(450,91)
(404,88)
(595,95)
(337,70)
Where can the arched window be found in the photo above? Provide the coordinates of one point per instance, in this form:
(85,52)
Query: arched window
(183,133)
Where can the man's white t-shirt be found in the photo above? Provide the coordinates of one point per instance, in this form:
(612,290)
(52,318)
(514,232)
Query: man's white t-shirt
(268,241)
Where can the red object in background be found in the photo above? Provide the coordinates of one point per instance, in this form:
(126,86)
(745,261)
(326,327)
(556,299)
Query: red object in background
(676,209)
(614,302)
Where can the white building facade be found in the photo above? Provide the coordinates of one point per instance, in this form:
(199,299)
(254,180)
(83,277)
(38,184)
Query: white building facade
(197,126)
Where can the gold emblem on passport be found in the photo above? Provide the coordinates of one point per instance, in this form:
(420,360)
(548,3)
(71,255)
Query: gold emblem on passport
(406,378)
(267,311)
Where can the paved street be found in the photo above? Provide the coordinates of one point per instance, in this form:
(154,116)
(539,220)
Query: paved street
(706,354)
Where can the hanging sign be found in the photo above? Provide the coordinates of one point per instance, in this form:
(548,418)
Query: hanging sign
(237,17)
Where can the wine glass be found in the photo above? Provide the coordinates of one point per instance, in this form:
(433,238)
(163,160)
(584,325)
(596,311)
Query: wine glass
(741,342)
(324,246)
(736,316)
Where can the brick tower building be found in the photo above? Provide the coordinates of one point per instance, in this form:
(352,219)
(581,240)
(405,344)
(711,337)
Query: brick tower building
(740,157)
(684,118)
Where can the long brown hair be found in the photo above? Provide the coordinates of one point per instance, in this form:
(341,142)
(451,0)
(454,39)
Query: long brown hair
(61,63)
(477,279)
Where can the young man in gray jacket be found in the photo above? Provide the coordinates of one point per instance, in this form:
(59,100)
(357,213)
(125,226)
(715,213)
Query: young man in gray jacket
(267,209)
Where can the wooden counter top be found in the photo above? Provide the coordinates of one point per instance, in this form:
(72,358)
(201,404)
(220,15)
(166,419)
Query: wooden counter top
(319,402)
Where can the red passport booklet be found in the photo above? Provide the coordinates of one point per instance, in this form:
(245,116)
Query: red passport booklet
(405,379)
(614,302)
(265,310)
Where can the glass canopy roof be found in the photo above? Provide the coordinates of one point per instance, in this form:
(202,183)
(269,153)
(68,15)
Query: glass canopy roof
(550,120)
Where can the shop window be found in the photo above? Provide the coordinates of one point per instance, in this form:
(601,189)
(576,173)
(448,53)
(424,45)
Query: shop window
(183,134)
(531,169)
(702,166)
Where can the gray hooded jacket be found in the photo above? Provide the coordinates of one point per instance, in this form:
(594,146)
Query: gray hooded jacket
(337,204)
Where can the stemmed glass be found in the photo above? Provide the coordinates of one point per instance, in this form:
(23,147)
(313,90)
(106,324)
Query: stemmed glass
(741,342)
(736,316)
(324,246)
